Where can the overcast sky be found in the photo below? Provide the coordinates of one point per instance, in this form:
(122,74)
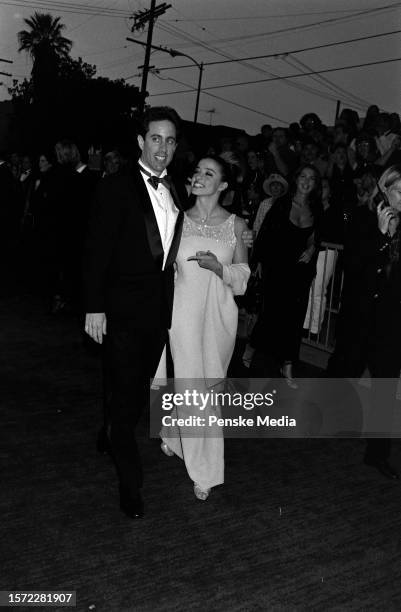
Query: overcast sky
(217,30)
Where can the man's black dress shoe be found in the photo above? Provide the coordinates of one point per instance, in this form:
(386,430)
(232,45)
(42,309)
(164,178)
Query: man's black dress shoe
(383,466)
(131,506)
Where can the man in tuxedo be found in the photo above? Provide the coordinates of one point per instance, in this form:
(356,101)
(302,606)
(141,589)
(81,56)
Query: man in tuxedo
(133,238)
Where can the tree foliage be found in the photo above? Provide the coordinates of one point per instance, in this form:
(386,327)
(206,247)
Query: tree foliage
(45,33)
(47,47)
(64,98)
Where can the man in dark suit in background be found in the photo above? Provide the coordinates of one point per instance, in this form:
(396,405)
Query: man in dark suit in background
(132,243)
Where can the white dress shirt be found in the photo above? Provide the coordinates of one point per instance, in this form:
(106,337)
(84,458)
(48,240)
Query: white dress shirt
(166,214)
(165,210)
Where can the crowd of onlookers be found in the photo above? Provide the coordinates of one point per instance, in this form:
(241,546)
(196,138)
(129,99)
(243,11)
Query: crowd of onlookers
(45,199)
(351,155)
(348,157)
(46,202)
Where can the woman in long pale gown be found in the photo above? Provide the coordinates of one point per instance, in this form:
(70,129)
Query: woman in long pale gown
(211,269)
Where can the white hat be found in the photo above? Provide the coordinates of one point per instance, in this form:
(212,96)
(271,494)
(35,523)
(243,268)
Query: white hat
(274,178)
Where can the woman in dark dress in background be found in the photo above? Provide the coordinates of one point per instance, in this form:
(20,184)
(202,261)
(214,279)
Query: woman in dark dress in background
(286,248)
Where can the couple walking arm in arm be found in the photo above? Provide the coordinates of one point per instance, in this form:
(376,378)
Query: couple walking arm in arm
(133,242)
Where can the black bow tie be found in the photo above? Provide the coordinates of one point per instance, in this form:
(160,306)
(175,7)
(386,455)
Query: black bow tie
(156,180)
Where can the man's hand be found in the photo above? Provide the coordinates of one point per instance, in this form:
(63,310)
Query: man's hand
(247,238)
(96,325)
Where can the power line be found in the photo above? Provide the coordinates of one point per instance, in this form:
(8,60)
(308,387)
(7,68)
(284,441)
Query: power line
(324,22)
(67,5)
(253,110)
(87,20)
(292,52)
(299,86)
(289,76)
(68,8)
(270,16)
(322,80)
(192,39)
(177,31)
(171,29)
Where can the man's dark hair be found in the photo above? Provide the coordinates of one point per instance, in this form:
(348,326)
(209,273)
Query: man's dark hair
(159,113)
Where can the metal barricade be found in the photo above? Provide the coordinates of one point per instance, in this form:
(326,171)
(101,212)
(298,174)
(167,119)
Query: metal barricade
(320,320)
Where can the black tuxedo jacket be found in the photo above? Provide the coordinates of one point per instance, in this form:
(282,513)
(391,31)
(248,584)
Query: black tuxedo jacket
(123,256)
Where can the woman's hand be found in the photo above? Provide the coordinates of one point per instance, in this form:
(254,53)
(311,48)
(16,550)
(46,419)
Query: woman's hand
(209,261)
(385,219)
(307,255)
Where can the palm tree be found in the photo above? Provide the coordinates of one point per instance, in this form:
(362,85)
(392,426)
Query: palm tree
(47,47)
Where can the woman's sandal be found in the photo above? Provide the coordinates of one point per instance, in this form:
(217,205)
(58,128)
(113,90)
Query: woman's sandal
(166,449)
(200,493)
(248,356)
(287,377)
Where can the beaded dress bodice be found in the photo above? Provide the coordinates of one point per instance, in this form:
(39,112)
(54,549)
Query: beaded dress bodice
(223,233)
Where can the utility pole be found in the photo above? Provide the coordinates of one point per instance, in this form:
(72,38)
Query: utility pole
(140,19)
(175,53)
(338,105)
(200,66)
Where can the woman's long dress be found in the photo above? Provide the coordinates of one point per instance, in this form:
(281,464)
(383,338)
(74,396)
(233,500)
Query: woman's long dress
(202,339)
(286,282)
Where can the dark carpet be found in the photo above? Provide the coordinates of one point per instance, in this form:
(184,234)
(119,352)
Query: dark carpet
(298,525)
